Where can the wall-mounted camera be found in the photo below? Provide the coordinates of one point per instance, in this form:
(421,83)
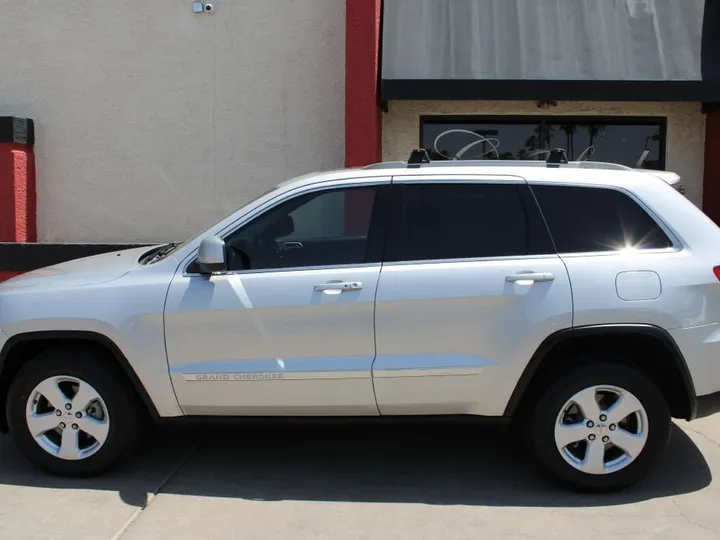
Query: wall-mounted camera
(203,7)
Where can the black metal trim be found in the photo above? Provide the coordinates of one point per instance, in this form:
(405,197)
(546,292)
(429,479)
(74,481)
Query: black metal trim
(547,90)
(600,330)
(17,130)
(341,422)
(660,121)
(70,335)
(384,107)
(23,257)
(710,42)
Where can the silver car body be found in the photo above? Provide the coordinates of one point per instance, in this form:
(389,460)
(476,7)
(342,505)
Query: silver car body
(428,338)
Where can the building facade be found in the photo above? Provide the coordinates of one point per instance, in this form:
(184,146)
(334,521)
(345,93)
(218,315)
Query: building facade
(126,123)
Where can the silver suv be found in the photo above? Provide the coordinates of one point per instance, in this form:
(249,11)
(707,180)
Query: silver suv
(579,300)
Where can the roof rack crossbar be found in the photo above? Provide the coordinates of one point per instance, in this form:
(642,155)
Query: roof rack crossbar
(418,157)
(556,157)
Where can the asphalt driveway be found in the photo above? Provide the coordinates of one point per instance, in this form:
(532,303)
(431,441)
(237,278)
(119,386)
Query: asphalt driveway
(397,482)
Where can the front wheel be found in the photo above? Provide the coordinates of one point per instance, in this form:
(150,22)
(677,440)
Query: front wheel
(71,413)
(600,427)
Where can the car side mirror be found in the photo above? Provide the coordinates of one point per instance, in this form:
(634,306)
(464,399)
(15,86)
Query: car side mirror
(211,256)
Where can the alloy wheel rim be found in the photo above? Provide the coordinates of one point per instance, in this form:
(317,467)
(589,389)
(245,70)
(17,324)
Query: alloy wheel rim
(601,429)
(67,417)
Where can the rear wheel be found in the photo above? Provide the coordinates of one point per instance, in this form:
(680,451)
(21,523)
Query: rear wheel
(600,427)
(73,414)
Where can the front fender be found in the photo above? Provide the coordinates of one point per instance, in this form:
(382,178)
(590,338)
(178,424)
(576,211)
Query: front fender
(125,315)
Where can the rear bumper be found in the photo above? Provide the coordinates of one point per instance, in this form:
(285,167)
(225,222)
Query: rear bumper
(707,405)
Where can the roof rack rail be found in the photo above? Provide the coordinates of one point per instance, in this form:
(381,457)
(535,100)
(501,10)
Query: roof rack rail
(420,157)
(556,158)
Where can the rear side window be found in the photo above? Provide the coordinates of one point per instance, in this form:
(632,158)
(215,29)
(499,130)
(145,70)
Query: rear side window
(586,219)
(466,221)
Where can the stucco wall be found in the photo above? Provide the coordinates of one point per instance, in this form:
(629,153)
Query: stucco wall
(685,128)
(152,121)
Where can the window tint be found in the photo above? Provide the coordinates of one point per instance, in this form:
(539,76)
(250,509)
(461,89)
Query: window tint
(319,229)
(460,221)
(584,219)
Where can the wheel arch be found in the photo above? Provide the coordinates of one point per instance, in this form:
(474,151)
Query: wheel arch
(683,400)
(21,347)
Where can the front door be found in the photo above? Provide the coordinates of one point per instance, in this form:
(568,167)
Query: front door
(289,330)
(470,288)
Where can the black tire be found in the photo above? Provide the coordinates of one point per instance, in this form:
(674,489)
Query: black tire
(125,413)
(540,424)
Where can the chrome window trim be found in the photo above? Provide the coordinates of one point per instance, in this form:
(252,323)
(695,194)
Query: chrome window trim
(285,270)
(531,257)
(438,178)
(621,253)
(509,258)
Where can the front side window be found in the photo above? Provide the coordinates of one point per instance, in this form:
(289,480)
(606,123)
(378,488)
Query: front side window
(326,228)
(467,221)
(588,219)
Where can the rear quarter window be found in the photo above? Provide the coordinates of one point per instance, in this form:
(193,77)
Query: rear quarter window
(588,219)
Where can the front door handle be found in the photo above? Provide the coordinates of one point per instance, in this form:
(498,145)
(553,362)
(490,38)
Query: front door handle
(340,286)
(530,276)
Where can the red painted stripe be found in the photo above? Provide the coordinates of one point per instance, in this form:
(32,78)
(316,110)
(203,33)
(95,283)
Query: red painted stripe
(17,193)
(363,126)
(363,120)
(7,275)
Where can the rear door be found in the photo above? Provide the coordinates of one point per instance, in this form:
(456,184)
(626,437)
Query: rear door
(469,289)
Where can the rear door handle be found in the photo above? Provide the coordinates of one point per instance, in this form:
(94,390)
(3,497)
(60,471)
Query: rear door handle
(340,286)
(531,276)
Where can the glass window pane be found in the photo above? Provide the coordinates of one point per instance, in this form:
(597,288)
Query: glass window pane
(321,229)
(458,221)
(584,219)
(481,141)
(624,144)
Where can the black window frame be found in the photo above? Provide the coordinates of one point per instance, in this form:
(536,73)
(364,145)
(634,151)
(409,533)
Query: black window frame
(375,238)
(393,254)
(542,120)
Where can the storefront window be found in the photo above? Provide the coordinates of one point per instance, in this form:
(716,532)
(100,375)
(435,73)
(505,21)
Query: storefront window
(637,143)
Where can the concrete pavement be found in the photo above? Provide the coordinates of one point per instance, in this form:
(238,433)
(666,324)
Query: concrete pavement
(360,482)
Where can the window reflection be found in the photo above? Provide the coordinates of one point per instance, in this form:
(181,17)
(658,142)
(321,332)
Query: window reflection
(628,143)
(482,141)
(625,144)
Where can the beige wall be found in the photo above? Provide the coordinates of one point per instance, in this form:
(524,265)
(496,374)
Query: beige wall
(152,121)
(685,128)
